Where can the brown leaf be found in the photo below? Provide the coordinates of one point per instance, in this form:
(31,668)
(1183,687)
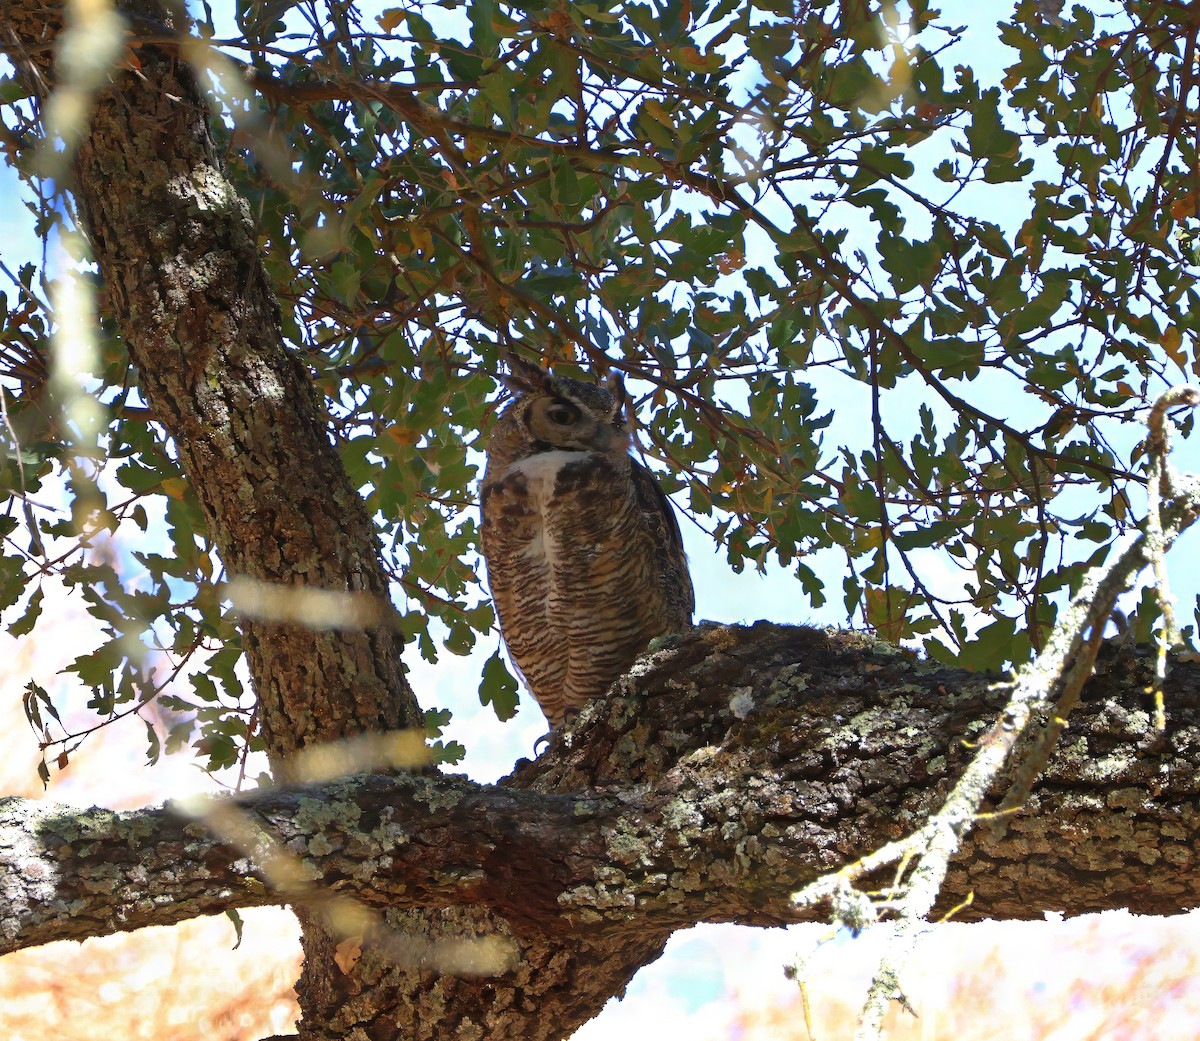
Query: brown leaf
(347,953)
(390,18)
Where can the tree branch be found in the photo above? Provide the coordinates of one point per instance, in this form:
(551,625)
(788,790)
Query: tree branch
(731,769)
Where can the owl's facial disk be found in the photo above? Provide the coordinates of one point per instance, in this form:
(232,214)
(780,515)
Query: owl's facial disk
(562,424)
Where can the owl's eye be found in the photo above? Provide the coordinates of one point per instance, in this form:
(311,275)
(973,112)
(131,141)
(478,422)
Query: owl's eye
(562,415)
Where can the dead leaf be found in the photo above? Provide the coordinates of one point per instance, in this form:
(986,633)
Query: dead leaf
(347,953)
(391,18)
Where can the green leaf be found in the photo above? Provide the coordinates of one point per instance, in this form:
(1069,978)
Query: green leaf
(12,581)
(153,745)
(236,920)
(483,33)
(345,280)
(33,609)
(498,688)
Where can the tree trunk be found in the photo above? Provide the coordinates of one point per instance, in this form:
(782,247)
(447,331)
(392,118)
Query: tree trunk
(178,255)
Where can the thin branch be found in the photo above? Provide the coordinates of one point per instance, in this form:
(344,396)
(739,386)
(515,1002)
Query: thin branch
(1058,672)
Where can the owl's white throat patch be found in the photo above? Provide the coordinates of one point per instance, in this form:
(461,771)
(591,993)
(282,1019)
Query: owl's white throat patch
(541,475)
(541,470)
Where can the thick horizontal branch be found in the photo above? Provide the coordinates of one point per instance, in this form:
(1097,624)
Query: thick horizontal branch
(401,842)
(724,773)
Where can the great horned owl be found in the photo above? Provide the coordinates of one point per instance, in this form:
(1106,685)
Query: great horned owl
(583,551)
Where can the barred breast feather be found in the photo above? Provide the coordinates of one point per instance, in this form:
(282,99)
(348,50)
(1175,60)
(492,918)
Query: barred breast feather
(584,556)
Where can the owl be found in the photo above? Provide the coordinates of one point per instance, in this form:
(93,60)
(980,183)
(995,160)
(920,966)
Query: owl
(584,556)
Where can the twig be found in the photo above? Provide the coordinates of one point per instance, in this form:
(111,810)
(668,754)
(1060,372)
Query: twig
(1160,484)
(35,539)
(1049,686)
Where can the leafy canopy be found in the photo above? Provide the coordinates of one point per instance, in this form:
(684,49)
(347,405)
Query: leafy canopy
(884,292)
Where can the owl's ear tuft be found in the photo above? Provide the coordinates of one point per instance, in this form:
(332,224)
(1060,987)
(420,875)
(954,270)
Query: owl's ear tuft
(524,377)
(616,387)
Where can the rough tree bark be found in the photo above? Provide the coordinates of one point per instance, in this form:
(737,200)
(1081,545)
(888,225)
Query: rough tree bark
(725,773)
(709,795)
(178,256)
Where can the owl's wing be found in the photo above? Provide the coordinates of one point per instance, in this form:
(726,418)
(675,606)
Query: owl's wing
(673,570)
